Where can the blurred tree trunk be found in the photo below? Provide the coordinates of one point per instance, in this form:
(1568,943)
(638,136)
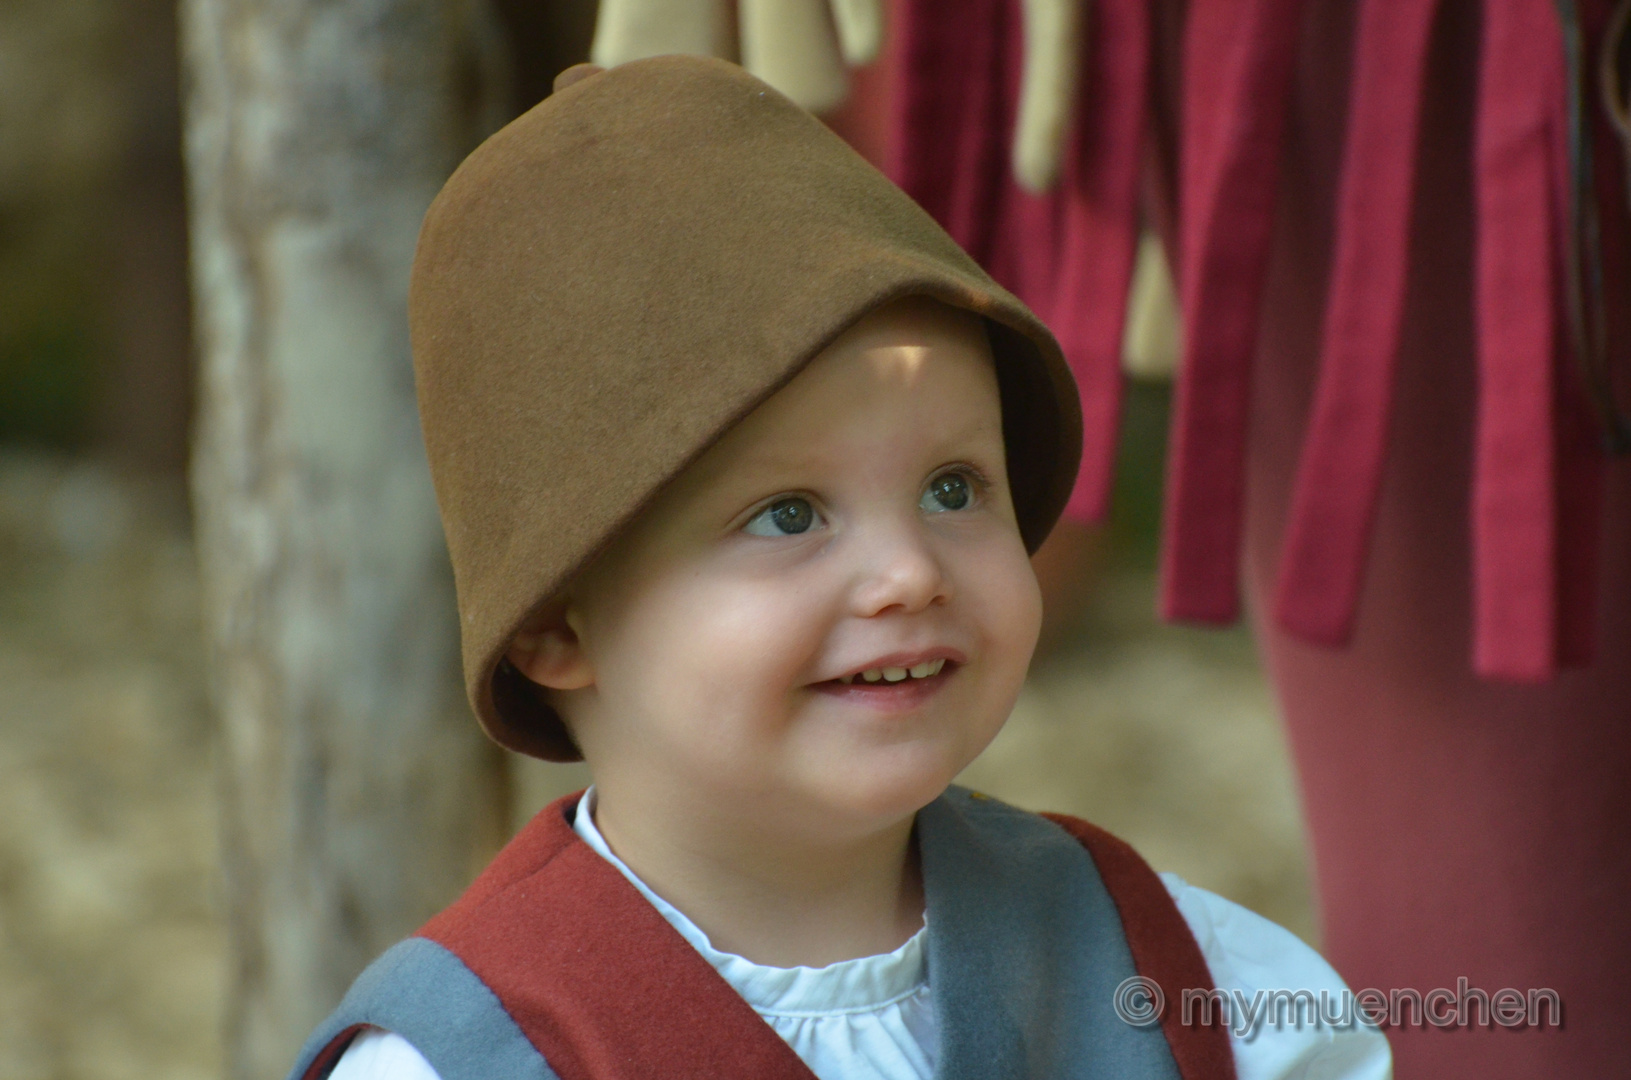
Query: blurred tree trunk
(357,793)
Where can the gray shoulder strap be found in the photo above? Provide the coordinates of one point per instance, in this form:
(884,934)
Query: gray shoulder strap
(1025,951)
(425,994)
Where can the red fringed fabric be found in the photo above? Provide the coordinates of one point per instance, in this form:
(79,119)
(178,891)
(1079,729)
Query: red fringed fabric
(1237,65)
(1535,500)
(1339,476)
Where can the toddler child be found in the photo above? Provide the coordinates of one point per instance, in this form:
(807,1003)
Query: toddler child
(741,461)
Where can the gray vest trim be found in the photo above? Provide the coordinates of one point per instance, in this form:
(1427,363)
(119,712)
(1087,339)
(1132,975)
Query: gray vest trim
(1025,951)
(425,994)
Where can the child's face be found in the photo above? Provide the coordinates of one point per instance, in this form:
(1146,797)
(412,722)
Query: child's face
(743,646)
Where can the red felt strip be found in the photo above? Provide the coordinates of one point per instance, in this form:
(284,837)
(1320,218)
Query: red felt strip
(946,124)
(1333,503)
(1238,61)
(1163,949)
(1514,475)
(1099,188)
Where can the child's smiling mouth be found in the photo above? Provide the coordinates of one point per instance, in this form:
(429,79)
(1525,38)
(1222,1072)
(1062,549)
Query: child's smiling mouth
(894,683)
(924,670)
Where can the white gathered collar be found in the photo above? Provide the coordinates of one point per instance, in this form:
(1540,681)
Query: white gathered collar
(863,985)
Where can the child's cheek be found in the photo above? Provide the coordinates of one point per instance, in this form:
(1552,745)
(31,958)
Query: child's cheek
(733,646)
(1010,602)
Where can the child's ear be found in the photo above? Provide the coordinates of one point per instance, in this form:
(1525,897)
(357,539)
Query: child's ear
(549,651)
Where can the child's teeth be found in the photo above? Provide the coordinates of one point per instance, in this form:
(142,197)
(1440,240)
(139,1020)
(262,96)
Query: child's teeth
(897,674)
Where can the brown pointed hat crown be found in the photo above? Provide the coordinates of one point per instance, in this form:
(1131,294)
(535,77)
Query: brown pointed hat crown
(614,280)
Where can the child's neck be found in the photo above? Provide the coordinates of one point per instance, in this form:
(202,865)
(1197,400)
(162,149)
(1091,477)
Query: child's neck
(767,897)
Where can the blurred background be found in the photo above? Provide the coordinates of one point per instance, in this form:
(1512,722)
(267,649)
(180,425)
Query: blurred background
(113,940)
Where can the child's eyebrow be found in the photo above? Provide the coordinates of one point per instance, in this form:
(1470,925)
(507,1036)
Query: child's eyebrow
(950,444)
(975,429)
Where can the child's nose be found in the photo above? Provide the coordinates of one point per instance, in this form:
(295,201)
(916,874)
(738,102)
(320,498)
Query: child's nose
(899,571)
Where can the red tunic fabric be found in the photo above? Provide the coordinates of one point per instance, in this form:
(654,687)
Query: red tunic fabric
(1462,826)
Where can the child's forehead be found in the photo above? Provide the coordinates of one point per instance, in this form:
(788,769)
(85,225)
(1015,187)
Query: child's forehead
(905,378)
(846,444)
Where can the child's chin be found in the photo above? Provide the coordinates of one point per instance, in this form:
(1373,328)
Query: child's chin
(886,797)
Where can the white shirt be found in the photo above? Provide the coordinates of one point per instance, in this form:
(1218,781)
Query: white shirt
(871,1018)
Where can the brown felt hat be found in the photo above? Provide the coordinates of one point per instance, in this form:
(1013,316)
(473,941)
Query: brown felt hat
(614,280)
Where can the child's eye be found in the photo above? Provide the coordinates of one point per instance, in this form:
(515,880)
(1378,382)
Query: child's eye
(784,517)
(948,491)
